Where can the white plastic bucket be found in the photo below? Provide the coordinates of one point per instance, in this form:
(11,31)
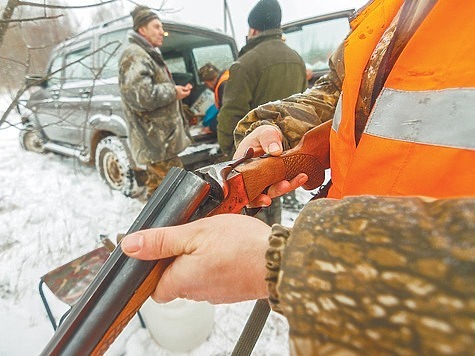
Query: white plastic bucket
(180,325)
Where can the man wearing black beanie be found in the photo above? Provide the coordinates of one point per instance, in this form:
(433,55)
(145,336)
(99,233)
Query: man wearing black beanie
(266,70)
(266,15)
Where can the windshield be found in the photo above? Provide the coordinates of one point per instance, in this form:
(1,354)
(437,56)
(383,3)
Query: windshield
(316,42)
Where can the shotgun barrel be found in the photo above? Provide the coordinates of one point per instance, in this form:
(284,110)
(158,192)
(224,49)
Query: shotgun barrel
(123,284)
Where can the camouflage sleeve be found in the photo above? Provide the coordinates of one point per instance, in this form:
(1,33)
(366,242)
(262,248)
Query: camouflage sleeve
(139,86)
(377,275)
(300,112)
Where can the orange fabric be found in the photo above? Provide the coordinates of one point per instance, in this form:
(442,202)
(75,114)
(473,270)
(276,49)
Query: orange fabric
(368,28)
(221,80)
(391,167)
(405,168)
(449,61)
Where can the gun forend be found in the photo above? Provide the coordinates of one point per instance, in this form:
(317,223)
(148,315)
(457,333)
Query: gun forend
(123,284)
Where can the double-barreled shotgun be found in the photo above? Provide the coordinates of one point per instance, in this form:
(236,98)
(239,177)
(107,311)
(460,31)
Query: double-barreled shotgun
(123,284)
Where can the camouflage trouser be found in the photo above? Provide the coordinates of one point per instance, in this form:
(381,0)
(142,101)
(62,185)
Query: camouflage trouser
(272,214)
(157,171)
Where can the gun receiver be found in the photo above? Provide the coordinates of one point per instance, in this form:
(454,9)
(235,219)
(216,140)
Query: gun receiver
(123,284)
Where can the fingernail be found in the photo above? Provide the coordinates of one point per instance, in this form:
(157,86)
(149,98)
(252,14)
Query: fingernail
(132,243)
(273,147)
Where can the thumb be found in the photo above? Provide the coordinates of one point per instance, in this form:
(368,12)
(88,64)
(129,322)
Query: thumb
(154,244)
(264,139)
(271,140)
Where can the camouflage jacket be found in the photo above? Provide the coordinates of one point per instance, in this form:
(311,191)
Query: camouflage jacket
(377,276)
(267,69)
(157,130)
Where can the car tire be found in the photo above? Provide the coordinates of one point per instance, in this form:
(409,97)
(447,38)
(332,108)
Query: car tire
(114,166)
(32,140)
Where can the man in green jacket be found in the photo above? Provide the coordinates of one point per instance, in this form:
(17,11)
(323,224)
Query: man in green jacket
(266,70)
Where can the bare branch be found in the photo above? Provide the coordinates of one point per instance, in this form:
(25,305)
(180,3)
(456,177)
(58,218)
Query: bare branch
(24,88)
(14,61)
(7,15)
(12,104)
(33,19)
(161,8)
(47,6)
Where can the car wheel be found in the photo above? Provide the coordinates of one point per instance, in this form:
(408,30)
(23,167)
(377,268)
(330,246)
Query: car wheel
(114,166)
(31,140)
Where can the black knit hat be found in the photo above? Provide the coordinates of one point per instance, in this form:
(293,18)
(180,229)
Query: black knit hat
(265,15)
(142,15)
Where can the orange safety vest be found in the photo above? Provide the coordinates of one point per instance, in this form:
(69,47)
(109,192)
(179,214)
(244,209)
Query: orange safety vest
(420,135)
(222,78)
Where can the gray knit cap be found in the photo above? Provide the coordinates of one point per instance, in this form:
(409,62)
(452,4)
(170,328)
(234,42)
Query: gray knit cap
(141,16)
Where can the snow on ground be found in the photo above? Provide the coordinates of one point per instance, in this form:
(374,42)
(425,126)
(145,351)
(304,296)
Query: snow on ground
(52,210)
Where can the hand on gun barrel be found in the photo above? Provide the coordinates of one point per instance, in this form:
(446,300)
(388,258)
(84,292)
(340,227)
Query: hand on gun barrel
(200,260)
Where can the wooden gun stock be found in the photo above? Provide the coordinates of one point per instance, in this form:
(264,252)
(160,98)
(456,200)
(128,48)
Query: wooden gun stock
(311,156)
(123,284)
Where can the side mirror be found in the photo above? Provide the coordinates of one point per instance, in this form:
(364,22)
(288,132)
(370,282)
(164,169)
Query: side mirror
(35,80)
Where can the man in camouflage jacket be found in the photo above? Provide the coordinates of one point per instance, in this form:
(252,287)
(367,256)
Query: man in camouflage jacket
(151,100)
(383,275)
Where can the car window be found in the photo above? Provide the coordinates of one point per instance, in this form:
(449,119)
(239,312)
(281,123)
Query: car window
(55,71)
(79,65)
(220,55)
(176,64)
(316,42)
(110,47)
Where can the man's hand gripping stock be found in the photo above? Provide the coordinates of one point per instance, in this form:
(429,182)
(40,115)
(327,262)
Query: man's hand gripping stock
(267,139)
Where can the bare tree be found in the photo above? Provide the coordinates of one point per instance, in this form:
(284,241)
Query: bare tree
(7,14)
(22,54)
(12,5)
(28,32)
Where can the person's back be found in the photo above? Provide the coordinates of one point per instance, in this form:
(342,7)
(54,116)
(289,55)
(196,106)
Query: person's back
(273,70)
(266,70)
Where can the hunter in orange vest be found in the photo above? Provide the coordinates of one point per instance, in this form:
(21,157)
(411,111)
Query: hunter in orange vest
(386,264)
(215,81)
(415,112)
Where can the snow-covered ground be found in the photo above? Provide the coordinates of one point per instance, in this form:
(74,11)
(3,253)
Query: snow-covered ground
(52,210)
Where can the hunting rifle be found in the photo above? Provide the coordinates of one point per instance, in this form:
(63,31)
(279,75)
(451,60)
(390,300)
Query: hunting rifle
(123,284)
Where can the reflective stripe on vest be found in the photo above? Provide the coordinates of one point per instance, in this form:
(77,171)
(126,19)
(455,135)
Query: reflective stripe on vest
(418,137)
(443,118)
(337,115)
